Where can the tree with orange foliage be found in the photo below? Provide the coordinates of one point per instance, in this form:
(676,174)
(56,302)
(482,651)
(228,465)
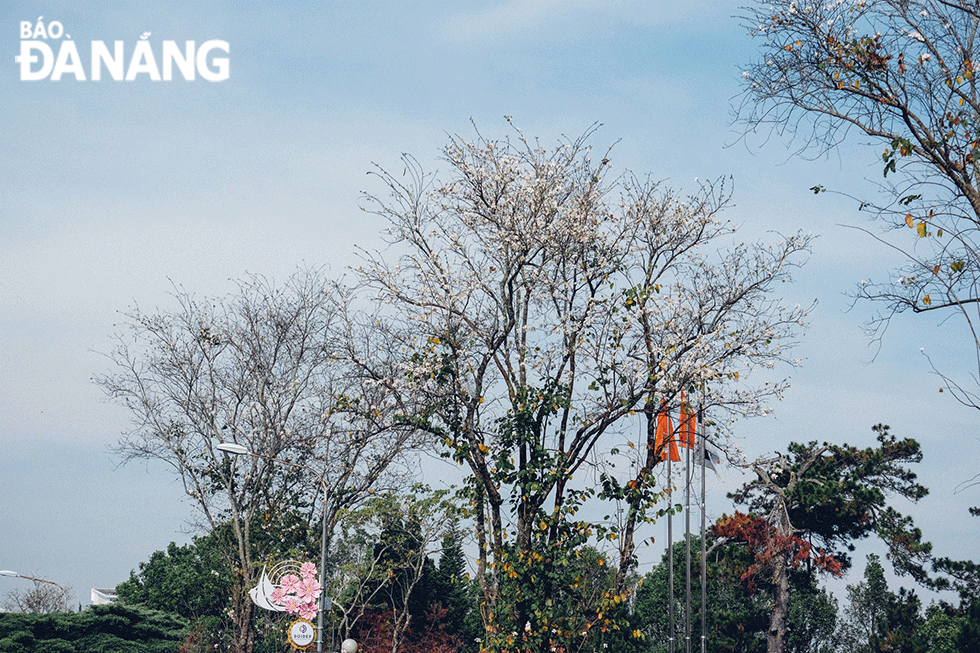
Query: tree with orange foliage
(808,507)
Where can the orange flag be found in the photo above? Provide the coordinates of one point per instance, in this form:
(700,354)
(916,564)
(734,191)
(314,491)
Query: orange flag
(687,426)
(665,433)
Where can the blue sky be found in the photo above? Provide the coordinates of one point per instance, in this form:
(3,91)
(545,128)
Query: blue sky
(113,192)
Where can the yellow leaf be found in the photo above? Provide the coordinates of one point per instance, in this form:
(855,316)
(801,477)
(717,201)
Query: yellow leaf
(935,270)
(926,300)
(961,101)
(921,228)
(908,220)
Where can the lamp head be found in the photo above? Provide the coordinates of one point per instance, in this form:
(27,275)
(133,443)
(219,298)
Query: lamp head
(231,447)
(349,646)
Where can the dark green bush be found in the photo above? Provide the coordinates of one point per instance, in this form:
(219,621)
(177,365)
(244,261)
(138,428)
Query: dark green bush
(99,629)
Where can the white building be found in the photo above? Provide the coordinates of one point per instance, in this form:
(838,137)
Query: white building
(103,596)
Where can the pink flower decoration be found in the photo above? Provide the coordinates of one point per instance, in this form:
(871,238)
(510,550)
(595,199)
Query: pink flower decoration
(292,604)
(309,590)
(307,610)
(308,570)
(278,596)
(289,583)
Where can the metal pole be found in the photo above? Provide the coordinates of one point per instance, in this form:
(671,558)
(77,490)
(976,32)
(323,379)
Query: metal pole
(687,542)
(323,568)
(704,562)
(670,554)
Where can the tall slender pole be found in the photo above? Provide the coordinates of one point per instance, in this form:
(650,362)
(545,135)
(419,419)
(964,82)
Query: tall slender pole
(670,554)
(704,562)
(323,567)
(687,543)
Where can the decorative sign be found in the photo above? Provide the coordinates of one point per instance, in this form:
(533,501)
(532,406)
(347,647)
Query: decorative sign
(296,590)
(301,634)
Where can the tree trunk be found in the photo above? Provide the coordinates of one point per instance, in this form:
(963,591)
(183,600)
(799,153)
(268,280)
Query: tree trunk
(780,609)
(243,642)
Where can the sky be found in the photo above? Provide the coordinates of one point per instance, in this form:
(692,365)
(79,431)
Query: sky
(114,193)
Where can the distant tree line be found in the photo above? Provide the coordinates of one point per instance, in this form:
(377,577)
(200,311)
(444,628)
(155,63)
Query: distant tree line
(402,580)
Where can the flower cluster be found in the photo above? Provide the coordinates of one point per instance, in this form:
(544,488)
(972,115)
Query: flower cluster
(299,595)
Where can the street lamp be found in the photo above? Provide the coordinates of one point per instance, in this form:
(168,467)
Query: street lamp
(239,450)
(14,574)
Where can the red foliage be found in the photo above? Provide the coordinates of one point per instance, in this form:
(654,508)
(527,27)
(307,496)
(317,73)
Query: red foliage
(374,633)
(769,547)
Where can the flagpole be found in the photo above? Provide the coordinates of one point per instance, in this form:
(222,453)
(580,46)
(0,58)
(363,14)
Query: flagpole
(687,538)
(670,552)
(704,562)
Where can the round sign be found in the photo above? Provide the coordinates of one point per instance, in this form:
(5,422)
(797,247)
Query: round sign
(301,633)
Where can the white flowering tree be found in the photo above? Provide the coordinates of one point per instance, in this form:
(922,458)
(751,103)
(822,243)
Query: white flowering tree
(547,310)
(260,369)
(900,74)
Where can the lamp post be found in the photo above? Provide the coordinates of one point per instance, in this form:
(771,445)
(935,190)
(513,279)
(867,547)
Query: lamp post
(239,450)
(14,574)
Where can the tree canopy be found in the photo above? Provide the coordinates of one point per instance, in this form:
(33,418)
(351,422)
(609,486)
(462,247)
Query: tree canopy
(807,507)
(258,368)
(536,318)
(902,74)
(548,310)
